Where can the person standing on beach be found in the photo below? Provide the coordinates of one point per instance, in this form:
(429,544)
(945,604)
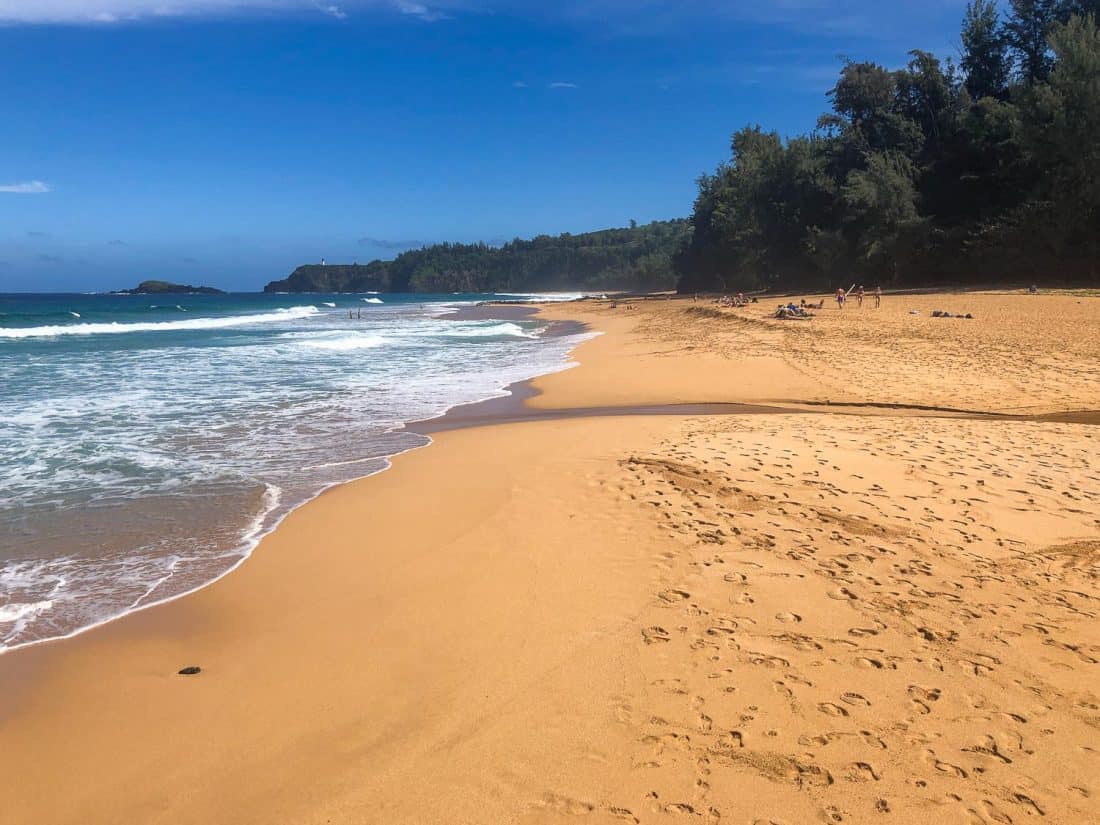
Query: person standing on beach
(840,298)
(859,295)
(878,297)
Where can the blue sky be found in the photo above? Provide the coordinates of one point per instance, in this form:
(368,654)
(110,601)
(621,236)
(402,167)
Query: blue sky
(226,141)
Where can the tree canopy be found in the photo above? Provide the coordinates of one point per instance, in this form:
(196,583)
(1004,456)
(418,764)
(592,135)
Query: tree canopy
(634,258)
(985,171)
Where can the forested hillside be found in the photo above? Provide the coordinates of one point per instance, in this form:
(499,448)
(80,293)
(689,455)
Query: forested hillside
(985,171)
(634,258)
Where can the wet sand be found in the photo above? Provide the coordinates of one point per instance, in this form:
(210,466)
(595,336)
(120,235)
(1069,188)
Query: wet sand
(881,615)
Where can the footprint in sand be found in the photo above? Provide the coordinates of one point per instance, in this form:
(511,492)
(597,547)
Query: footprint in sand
(673,596)
(1028,803)
(989,747)
(654,635)
(945,767)
(860,632)
(680,808)
(871,740)
(863,772)
(991,813)
(623,813)
(924,694)
(565,805)
(731,740)
(830,709)
(867,662)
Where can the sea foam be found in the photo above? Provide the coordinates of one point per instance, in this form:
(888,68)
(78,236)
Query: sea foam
(141,467)
(116,327)
(346,343)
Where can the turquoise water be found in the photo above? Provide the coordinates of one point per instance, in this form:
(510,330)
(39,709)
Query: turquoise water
(146,443)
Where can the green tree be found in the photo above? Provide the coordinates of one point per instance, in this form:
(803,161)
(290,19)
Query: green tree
(925,97)
(921,174)
(881,206)
(865,110)
(1026,32)
(985,53)
(1060,130)
(1079,8)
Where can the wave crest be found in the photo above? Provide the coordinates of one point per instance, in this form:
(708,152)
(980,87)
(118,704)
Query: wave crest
(114,327)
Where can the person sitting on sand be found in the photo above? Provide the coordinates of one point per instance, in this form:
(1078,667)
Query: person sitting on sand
(791,312)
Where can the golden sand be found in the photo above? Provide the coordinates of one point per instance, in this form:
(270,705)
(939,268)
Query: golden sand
(888,616)
(1018,354)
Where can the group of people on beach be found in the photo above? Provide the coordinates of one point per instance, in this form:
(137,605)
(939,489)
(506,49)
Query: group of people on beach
(842,296)
(789,311)
(738,300)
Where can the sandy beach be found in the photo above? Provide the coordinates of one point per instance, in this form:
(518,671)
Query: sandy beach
(878,606)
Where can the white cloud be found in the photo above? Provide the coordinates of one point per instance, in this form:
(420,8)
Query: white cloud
(415,9)
(519,84)
(107,12)
(30,187)
(558,84)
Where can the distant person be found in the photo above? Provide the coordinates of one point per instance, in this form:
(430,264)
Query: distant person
(840,296)
(359,314)
(859,295)
(1033,289)
(878,297)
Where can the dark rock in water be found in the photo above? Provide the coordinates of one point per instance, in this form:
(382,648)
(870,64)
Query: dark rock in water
(190,671)
(166,288)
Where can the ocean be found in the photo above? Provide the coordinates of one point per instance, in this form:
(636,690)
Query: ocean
(147,442)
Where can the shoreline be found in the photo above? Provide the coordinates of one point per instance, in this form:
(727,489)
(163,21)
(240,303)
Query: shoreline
(628,617)
(253,537)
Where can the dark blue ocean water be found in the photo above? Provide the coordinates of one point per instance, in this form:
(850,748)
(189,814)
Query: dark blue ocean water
(146,443)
